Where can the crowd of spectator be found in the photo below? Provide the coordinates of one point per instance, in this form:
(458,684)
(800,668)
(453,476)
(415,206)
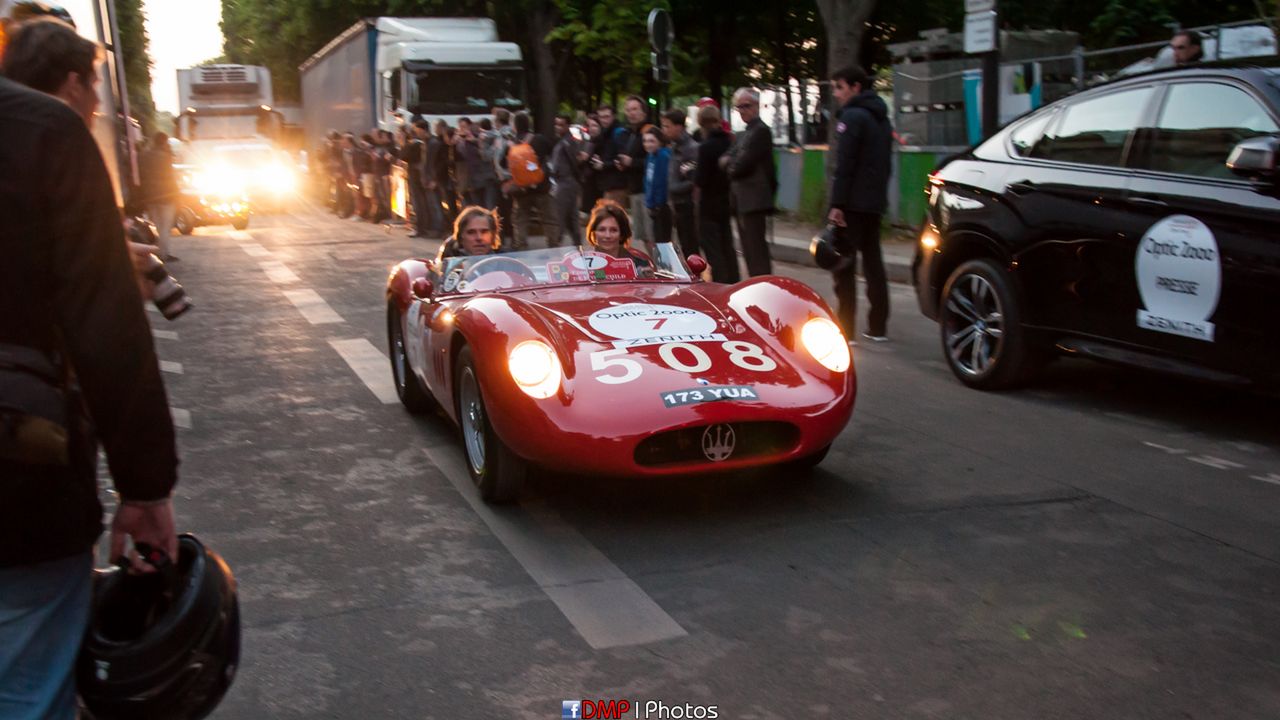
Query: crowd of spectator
(676,186)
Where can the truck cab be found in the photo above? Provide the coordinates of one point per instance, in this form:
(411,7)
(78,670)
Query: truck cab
(444,68)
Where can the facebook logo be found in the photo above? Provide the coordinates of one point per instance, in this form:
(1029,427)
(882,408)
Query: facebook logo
(570,709)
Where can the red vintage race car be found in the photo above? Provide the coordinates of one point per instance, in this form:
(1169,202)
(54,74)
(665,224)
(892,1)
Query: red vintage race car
(573,360)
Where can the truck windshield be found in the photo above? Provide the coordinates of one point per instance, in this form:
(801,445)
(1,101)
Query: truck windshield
(458,91)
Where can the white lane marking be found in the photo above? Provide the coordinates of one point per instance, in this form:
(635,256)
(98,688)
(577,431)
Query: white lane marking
(1215,462)
(605,606)
(164,334)
(255,250)
(1273,478)
(1170,450)
(240,235)
(181,418)
(278,272)
(312,306)
(171,367)
(370,365)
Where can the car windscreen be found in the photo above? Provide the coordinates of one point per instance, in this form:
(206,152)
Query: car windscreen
(463,91)
(558,266)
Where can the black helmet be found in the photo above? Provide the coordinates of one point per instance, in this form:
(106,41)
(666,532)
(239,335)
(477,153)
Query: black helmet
(161,645)
(823,249)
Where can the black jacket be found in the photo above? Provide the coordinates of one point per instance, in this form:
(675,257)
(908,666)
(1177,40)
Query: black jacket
(67,288)
(613,140)
(710,178)
(159,181)
(865,138)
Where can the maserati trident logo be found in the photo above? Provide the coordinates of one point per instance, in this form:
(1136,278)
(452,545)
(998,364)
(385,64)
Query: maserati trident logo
(718,442)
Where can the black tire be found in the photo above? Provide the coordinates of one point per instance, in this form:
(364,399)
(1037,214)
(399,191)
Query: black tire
(980,321)
(409,389)
(240,223)
(498,472)
(185,221)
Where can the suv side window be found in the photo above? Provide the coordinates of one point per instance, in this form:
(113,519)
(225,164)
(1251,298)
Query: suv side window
(1025,136)
(1200,123)
(1094,131)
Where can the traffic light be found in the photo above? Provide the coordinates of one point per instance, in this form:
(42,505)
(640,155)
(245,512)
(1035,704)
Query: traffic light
(653,101)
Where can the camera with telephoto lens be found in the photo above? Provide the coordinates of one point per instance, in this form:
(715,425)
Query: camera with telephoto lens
(169,297)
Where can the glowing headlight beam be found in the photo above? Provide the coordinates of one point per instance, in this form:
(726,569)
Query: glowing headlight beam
(535,368)
(824,341)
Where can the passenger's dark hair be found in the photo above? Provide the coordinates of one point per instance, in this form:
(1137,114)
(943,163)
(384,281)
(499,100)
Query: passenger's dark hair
(852,75)
(472,212)
(1192,37)
(676,116)
(609,209)
(41,52)
(522,123)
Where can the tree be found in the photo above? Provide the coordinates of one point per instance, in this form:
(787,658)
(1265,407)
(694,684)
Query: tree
(135,53)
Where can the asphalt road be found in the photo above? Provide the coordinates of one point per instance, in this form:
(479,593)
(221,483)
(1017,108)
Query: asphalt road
(1103,544)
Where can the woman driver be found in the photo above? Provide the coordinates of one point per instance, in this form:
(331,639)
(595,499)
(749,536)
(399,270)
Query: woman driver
(609,230)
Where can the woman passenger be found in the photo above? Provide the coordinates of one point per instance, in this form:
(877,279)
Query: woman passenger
(609,232)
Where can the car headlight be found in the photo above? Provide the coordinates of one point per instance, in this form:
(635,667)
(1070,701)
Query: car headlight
(277,178)
(824,341)
(535,368)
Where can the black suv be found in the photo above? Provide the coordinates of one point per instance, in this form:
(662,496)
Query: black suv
(1135,222)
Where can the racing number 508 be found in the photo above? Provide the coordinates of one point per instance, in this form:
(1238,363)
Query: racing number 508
(603,360)
(745,355)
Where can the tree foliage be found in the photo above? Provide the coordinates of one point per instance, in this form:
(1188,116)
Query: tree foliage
(137,61)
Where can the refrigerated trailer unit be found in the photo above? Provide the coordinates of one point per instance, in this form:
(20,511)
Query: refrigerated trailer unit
(384,71)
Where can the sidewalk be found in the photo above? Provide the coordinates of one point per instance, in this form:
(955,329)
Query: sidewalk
(791,245)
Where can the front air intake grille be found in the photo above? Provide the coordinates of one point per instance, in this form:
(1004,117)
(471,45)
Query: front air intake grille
(223,75)
(709,444)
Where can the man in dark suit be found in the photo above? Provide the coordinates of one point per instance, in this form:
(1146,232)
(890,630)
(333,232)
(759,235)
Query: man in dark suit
(752,181)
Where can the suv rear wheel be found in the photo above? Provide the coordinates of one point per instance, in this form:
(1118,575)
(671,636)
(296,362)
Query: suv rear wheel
(981,324)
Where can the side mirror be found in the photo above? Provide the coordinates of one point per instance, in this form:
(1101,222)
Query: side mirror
(1255,157)
(697,265)
(422,288)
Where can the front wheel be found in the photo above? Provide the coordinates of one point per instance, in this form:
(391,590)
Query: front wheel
(981,324)
(185,221)
(497,471)
(409,389)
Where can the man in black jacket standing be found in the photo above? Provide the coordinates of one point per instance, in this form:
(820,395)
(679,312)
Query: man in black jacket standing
(859,196)
(69,303)
(714,210)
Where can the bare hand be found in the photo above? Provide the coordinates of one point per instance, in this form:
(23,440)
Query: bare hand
(836,217)
(625,160)
(140,254)
(150,523)
(724,161)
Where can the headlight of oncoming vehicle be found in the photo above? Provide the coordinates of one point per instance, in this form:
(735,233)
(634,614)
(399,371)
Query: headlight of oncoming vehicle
(277,178)
(535,368)
(824,341)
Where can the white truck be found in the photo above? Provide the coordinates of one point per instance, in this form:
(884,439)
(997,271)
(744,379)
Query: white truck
(226,103)
(383,71)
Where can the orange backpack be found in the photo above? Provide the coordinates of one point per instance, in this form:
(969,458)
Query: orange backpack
(522,161)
